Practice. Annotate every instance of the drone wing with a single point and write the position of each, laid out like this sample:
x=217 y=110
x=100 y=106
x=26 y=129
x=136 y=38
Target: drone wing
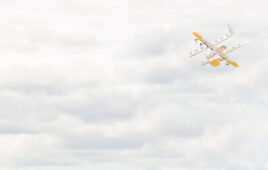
x=221 y=39
x=236 y=47
x=232 y=63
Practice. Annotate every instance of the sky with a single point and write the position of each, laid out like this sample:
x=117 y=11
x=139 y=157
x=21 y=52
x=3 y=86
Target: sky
x=109 y=84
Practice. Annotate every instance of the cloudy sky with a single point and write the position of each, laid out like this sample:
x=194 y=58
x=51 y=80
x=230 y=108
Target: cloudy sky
x=108 y=84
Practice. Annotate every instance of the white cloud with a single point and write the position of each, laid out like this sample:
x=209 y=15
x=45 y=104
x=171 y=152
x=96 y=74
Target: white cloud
x=109 y=85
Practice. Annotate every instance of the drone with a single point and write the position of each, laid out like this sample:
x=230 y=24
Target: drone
x=216 y=54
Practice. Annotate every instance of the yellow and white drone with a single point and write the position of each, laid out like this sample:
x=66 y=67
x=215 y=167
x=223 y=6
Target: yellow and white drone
x=212 y=58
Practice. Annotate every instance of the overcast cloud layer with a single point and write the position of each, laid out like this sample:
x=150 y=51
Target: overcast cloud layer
x=109 y=85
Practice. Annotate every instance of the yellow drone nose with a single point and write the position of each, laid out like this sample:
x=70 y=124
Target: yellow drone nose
x=215 y=62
